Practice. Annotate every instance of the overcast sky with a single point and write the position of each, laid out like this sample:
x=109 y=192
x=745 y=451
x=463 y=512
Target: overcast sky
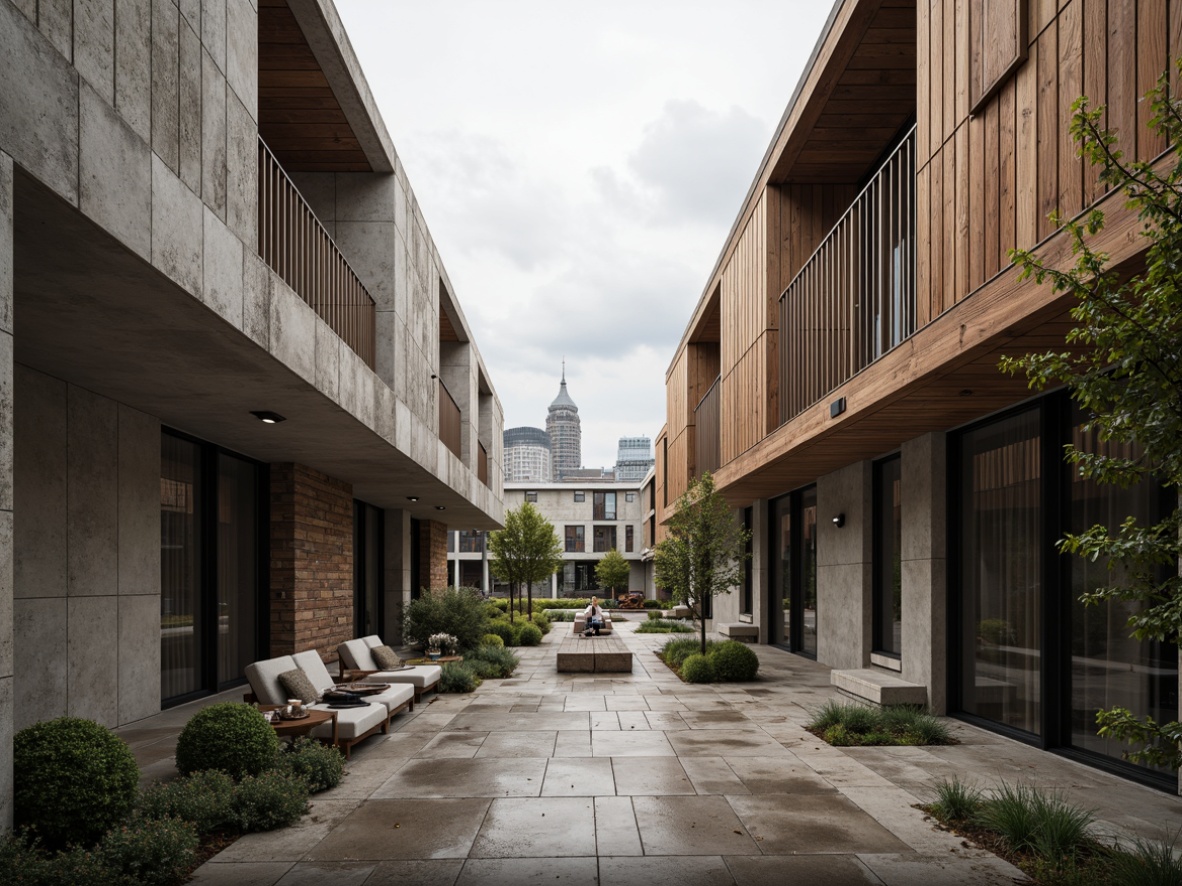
x=579 y=166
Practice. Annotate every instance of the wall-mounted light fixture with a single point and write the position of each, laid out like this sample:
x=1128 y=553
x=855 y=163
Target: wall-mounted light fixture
x=837 y=407
x=267 y=418
x=839 y=520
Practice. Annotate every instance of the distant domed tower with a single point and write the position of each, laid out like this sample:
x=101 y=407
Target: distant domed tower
x=566 y=434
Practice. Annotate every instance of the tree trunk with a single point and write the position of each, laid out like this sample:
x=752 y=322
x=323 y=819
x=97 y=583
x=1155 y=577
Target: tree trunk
x=530 y=593
x=702 y=621
x=512 y=591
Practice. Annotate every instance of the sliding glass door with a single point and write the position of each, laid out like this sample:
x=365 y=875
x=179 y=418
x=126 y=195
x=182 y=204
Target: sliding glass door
x=793 y=609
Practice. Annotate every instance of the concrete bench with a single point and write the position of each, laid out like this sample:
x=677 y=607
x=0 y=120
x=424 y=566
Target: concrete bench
x=593 y=655
x=878 y=687
x=580 y=624
x=748 y=633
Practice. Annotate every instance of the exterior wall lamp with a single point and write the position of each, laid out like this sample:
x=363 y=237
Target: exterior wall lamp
x=268 y=418
x=839 y=520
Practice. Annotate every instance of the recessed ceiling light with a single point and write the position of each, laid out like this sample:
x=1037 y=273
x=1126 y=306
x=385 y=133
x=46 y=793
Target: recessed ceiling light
x=268 y=418
x=412 y=498
x=440 y=508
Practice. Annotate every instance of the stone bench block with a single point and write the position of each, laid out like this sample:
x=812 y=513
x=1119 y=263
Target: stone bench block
x=878 y=687
x=740 y=631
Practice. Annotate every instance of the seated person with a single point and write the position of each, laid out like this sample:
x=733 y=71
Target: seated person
x=594 y=617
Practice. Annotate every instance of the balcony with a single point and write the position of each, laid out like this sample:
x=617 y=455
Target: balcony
x=449 y=420
x=299 y=249
x=854 y=300
x=708 y=422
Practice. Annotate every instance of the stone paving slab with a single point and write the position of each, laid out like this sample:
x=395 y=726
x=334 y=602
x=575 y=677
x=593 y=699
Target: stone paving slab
x=640 y=780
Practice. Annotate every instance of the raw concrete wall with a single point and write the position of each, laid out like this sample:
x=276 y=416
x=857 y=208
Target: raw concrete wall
x=87 y=555
x=924 y=566
x=7 y=505
x=844 y=576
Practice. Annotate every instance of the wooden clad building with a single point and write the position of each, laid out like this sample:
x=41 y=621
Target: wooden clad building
x=839 y=373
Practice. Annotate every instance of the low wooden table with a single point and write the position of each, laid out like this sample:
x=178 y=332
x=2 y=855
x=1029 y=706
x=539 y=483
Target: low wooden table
x=292 y=728
x=598 y=655
x=443 y=659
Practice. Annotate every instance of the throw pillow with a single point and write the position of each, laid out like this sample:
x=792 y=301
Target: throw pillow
x=297 y=685
x=385 y=657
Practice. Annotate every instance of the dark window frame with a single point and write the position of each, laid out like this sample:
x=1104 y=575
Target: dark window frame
x=878 y=557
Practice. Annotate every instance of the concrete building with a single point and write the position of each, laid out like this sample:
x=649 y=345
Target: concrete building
x=566 y=435
x=527 y=456
x=839 y=371
x=589 y=522
x=634 y=459
x=243 y=404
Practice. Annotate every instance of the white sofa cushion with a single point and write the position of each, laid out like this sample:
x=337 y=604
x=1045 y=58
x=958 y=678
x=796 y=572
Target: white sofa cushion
x=263 y=677
x=310 y=663
x=356 y=655
x=352 y=722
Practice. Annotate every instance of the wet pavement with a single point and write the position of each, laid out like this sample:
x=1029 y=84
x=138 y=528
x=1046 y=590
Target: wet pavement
x=641 y=779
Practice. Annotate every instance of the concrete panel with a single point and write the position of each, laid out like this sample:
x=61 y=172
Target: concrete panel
x=94 y=45
x=92 y=494
x=924 y=503
x=38 y=105
x=139 y=503
x=328 y=360
x=39 y=626
x=7 y=230
x=256 y=298
x=843 y=615
x=39 y=568
x=133 y=65
x=6 y=601
x=7 y=731
x=213 y=31
x=242 y=169
x=176 y=228
x=925 y=643
x=213 y=136
x=383 y=411
x=357 y=384
x=367 y=197
x=847 y=491
x=368 y=248
x=191 y=14
x=222 y=286
x=190 y=107
x=242 y=55
x=6 y=435
x=293 y=331
x=92 y=667
x=166 y=83
x=139 y=657
x=115 y=173
x=401 y=279
x=55 y=18
x=386 y=325
x=319 y=190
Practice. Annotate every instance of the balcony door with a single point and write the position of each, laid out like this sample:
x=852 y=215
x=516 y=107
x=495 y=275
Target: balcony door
x=793 y=606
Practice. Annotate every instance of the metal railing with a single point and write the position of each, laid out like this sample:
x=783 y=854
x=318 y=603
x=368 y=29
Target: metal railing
x=854 y=299
x=449 y=420
x=298 y=248
x=708 y=425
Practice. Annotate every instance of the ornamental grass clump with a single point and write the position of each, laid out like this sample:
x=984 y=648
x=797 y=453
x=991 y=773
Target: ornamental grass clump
x=492 y=661
x=957 y=801
x=1149 y=863
x=855 y=725
x=73 y=779
x=230 y=736
x=666 y=626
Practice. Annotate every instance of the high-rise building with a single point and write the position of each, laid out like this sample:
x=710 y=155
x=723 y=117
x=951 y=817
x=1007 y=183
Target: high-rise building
x=527 y=455
x=634 y=458
x=566 y=435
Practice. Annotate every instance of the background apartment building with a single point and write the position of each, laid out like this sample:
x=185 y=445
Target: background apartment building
x=243 y=404
x=527 y=455
x=839 y=371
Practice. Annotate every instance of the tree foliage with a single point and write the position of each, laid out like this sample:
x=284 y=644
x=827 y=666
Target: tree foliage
x=704 y=551
x=525 y=551
x=612 y=571
x=1124 y=369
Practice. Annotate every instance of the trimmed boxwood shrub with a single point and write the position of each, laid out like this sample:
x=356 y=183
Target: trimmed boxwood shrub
x=229 y=736
x=734 y=662
x=542 y=622
x=653 y=604
x=204 y=798
x=493 y=640
x=457 y=676
x=677 y=651
x=321 y=766
x=697 y=669
x=155 y=852
x=529 y=634
x=269 y=801
x=72 y=781
x=503 y=629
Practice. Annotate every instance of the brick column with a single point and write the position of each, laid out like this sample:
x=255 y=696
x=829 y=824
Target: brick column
x=311 y=561
x=433 y=553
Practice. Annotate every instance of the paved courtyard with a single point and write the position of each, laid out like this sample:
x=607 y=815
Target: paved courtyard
x=641 y=779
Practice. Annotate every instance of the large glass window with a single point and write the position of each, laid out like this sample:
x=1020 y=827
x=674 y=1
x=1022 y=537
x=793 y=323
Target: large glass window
x=605 y=539
x=1001 y=567
x=604 y=504
x=210 y=537
x=575 y=539
x=794 y=524
x=368 y=584
x=888 y=566
x=629 y=539
x=747 y=604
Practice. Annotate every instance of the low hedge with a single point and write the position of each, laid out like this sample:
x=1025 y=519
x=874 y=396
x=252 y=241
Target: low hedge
x=155 y=852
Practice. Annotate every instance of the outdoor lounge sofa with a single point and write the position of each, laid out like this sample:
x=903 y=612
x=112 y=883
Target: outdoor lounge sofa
x=353 y=724
x=357 y=660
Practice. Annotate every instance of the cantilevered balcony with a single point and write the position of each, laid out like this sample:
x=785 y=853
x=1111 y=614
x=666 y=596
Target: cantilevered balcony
x=854 y=299
x=299 y=249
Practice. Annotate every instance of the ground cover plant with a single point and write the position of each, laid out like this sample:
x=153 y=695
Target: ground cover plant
x=848 y=724
x=665 y=626
x=725 y=661
x=1047 y=837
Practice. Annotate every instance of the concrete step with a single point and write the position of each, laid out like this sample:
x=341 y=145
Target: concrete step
x=878 y=687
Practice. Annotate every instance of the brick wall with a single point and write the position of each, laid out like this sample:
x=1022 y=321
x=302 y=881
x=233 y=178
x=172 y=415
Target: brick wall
x=311 y=561
x=433 y=553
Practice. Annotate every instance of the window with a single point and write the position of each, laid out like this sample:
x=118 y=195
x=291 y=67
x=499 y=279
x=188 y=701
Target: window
x=575 y=540
x=998 y=46
x=531 y=496
x=888 y=567
x=368 y=569
x=605 y=539
x=580 y=496
x=748 y=603
x=604 y=506
x=629 y=497
x=794 y=571
x=629 y=539
x=471 y=542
